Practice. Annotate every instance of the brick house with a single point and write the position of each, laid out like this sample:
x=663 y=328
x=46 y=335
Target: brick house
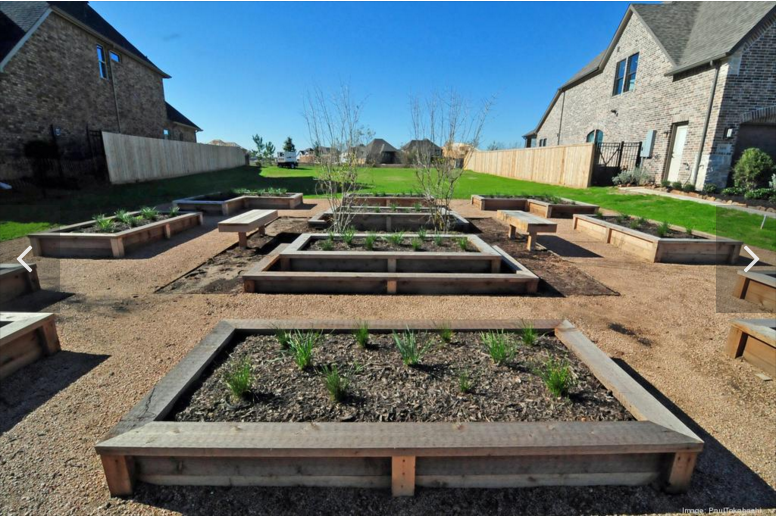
x=695 y=82
x=65 y=71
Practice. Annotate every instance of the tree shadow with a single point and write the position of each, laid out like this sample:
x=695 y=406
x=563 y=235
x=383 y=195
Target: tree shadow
x=33 y=385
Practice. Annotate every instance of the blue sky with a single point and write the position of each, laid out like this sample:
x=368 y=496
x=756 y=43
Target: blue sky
x=240 y=68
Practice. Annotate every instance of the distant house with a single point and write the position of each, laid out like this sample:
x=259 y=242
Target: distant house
x=694 y=82
x=66 y=74
x=423 y=147
x=380 y=152
x=222 y=143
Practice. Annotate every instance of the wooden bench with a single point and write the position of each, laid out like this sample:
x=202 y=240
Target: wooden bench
x=527 y=223
x=755 y=341
x=247 y=222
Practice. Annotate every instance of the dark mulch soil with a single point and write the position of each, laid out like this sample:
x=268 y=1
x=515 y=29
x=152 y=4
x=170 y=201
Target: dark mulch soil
x=383 y=389
x=118 y=227
x=646 y=227
x=447 y=245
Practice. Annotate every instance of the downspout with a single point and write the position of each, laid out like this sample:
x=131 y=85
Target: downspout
x=560 y=124
x=113 y=88
x=694 y=176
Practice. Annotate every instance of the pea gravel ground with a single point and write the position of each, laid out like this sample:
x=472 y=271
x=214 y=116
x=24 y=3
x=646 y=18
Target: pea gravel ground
x=119 y=337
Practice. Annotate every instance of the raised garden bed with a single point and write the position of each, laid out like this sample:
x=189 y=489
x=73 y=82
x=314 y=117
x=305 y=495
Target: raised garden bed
x=755 y=341
x=677 y=245
x=316 y=263
x=549 y=208
x=389 y=200
x=15 y=281
x=85 y=239
x=227 y=203
x=375 y=218
x=636 y=441
x=25 y=338
x=758 y=287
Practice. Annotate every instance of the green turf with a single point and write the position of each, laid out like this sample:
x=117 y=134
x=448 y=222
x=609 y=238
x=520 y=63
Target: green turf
x=22 y=216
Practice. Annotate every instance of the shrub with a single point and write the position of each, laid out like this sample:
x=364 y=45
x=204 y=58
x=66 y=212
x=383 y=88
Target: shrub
x=634 y=224
x=500 y=346
x=445 y=333
x=752 y=168
x=710 y=188
x=663 y=229
x=528 y=334
x=396 y=238
x=557 y=377
x=463 y=243
x=676 y=185
x=369 y=241
x=149 y=213
x=637 y=176
x=104 y=224
x=301 y=345
x=239 y=379
x=772 y=182
x=465 y=382
x=348 y=235
x=362 y=335
x=174 y=211
x=416 y=243
x=409 y=349
x=688 y=187
x=394 y=206
x=665 y=183
x=336 y=384
x=759 y=193
x=733 y=190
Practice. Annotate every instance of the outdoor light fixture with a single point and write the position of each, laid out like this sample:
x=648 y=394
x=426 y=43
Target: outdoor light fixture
x=728 y=133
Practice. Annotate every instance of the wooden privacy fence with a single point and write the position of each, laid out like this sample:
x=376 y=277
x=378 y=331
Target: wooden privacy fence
x=135 y=158
x=566 y=165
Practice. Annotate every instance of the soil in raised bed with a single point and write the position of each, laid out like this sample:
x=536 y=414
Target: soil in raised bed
x=225 y=196
x=447 y=245
x=118 y=226
x=545 y=198
x=382 y=389
x=646 y=227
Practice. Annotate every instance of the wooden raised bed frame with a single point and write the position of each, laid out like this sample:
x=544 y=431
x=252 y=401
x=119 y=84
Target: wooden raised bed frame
x=15 y=281
x=709 y=250
x=143 y=446
x=25 y=338
x=295 y=270
x=404 y=201
x=288 y=201
x=757 y=287
x=755 y=341
x=543 y=209
x=64 y=242
x=389 y=220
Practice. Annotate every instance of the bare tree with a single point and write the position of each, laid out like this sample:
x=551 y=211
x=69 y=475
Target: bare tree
x=334 y=123
x=443 y=124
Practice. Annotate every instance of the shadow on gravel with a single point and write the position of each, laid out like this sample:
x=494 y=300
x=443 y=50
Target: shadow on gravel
x=32 y=386
x=720 y=481
x=565 y=248
x=34 y=302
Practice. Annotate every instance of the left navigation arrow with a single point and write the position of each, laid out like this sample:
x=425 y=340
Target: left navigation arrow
x=20 y=260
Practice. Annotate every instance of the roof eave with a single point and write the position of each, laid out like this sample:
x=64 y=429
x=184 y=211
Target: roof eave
x=24 y=39
x=709 y=61
x=97 y=35
x=196 y=128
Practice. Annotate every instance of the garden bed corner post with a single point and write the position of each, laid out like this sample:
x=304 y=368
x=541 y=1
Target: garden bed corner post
x=120 y=474
x=679 y=472
x=403 y=475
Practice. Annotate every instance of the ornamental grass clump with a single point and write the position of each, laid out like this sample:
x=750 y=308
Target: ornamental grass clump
x=174 y=211
x=663 y=229
x=301 y=345
x=335 y=383
x=410 y=350
x=500 y=346
x=239 y=380
x=528 y=334
x=416 y=243
x=417 y=206
x=438 y=239
x=446 y=333
x=148 y=213
x=422 y=233
x=362 y=335
x=348 y=235
x=557 y=376
x=465 y=382
x=103 y=223
x=369 y=241
x=328 y=244
x=283 y=336
x=396 y=238
x=463 y=243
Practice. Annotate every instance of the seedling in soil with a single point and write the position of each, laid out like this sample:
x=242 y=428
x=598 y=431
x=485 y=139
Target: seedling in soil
x=622 y=218
x=599 y=215
x=336 y=384
x=239 y=380
x=369 y=241
x=409 y=349
x=377 y=209
x=396 y=238
x=528 y=334
x=465 y=382
x=634 y=224
x=301 y=345
x=557 y=377
x=328 y=244
x=417 y=244
x=422 y=233
x=283 y=337
x=104 y=224
x=136 y=221
x=174 y=211
x=463 y=243
x=417 y=206
x=662 y=229
x=362 y=335
x=438 y=239
x=149 y=213
x=500 y=346
x=348 y=235
x=394 y=206
x=446 y=334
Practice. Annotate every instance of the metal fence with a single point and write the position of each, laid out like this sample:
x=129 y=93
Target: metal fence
x=611 y=158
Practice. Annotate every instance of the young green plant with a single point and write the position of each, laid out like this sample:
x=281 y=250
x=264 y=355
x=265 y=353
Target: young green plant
x=362 y=335
x=465 y=382
x=239 y=380
x=301 y=345
x=410 y=350
x=369 y=241
x=557 y=376
x=500 y=346
x=336 y=383
x=445 y=333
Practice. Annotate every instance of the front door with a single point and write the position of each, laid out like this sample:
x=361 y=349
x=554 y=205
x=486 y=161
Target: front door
x=677 y=149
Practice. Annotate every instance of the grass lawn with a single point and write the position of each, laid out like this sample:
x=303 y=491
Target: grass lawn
x=19 y=217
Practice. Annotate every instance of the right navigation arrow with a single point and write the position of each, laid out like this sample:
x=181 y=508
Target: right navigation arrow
x=751 y=253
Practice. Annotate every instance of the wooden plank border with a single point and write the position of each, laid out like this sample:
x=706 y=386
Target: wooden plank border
x=755 y=341
x=544 y=209
x=25 y=338
x=388 y=220
x=15 y=281
x=237 y=203
x=143 y=446
x=758 y=287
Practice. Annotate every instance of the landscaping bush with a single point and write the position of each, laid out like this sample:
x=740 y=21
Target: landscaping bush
x=239 y=380
x=752 y=169
x=759 y=193
x=688 y=187
x=733 y=190
x=665 y=183
x=710 y=189
x=637 y=176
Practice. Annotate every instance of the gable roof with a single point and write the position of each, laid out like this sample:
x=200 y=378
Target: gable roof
x=378 y=145
x=691 y=34
x=425 y=144
x=19 y=19
x=173 y=115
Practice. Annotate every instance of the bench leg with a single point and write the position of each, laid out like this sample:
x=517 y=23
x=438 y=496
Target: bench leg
x=242 y=238
x=531 y=242
x=512 y=232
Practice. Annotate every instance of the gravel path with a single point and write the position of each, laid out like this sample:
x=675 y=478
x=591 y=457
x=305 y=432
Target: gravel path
x=119 y=337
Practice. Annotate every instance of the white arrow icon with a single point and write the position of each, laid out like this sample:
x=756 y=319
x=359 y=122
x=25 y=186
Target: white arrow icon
x=756 y=258
x=19 y=259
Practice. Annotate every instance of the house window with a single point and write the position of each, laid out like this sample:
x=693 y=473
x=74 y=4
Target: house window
x=625 y=74
x=102 y=63
x=115 y=57
x=166 y=134
x=543 y=142
x=596 y=136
